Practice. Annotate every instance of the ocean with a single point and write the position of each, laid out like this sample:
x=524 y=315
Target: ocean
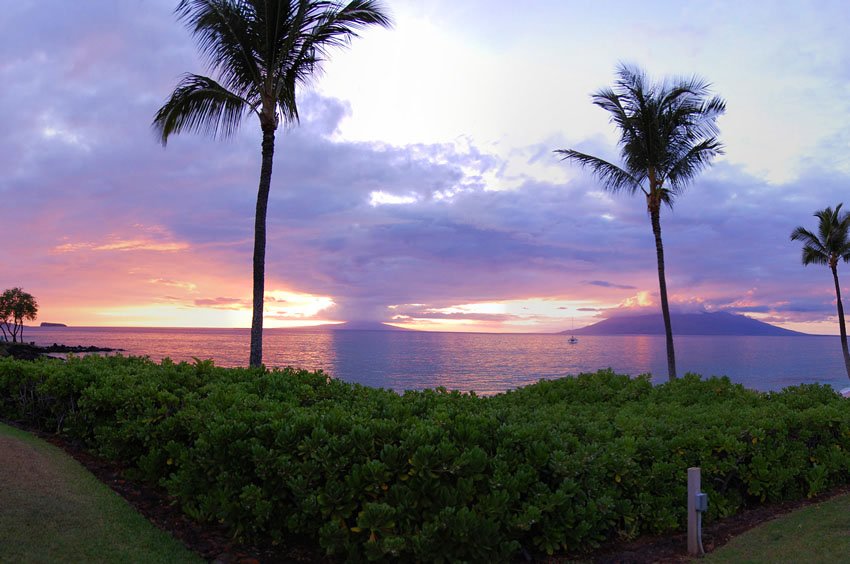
x=481 y=362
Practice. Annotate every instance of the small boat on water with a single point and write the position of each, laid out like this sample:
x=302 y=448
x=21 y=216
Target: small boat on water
x=572 y=340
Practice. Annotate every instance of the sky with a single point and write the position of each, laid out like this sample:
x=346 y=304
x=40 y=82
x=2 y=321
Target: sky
x=420 y=186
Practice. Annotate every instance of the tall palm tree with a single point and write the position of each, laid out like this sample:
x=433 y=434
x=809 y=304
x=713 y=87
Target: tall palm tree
x=262 y=51
x=668 y=134
x=829 y=246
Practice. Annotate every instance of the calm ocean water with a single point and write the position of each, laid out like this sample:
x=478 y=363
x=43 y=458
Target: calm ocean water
x=485 y=363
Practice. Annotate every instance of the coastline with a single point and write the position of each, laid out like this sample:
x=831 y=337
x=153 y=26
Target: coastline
x=31 y=351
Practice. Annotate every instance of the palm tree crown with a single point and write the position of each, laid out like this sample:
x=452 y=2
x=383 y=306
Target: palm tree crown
x=261 y=51
x=668 y=134
x=832 y=242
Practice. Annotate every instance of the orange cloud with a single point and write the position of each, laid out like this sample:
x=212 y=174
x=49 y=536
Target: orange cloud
x=141 y=245
x=641 y=299
x=152 y=238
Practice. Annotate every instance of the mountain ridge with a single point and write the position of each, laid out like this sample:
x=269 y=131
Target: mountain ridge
x=706 y=323
x=364 y=326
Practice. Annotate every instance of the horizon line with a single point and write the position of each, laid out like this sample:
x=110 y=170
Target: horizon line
x=404 y=329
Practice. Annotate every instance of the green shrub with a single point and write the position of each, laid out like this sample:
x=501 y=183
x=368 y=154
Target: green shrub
x=559 y=466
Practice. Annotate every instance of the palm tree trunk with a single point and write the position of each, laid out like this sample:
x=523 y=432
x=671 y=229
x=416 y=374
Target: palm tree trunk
x=655 y=215
x=260 y=247
x=841 y=325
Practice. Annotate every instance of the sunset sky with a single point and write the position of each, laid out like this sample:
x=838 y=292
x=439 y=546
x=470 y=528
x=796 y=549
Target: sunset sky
x=420 y=186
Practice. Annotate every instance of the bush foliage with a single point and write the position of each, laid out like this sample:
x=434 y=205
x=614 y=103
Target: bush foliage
x=562 y=465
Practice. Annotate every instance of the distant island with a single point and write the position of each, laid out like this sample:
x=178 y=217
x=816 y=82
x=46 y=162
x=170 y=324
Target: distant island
x=363 y=326
x=719 y=323
x=46 y=324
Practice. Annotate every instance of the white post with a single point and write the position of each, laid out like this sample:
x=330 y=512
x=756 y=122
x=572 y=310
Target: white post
x=693 y=489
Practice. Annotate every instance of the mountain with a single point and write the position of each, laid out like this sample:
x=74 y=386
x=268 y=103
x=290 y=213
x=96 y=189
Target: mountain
x=364 y=326
x=719 y=323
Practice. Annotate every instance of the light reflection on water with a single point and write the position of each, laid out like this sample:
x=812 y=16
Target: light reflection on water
x=485 y=363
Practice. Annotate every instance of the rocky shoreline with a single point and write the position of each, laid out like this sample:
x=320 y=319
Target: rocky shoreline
x=31 y=351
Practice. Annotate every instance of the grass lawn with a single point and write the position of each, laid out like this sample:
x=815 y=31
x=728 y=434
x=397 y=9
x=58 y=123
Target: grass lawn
x=53 y=510
x=817 y=533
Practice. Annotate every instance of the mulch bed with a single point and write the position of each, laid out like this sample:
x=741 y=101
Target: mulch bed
x=214 y=544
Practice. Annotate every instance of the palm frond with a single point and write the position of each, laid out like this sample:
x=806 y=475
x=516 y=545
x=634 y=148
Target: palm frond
x=667 y=196
x=815 y=250
x=709 y=112
x=226 y=38
x=813 y=256
x=827 y=223
x=686 y=167
x=612 y=177
x=201 y=105
x=843 y=228
x=284 y=37
x=339 y=25
x=691 y=87
x=633 y=87
x=610 y=101
x=322 y=27
x=834 y=230
x=808 y=238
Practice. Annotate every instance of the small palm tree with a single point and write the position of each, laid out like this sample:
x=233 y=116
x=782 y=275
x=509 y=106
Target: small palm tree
x=829 y=246
x=262 y=51
x=668 y=134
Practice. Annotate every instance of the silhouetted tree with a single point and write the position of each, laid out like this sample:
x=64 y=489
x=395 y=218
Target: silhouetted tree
x=16 y=306
x=262 y=51
x=829 y=246
x=668 y=134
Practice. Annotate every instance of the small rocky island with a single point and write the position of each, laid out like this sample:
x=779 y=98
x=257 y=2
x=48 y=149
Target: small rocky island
x=31 y=351
x=48 y=324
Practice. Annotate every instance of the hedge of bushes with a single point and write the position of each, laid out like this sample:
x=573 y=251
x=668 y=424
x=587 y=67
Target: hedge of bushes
x=559 y=466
